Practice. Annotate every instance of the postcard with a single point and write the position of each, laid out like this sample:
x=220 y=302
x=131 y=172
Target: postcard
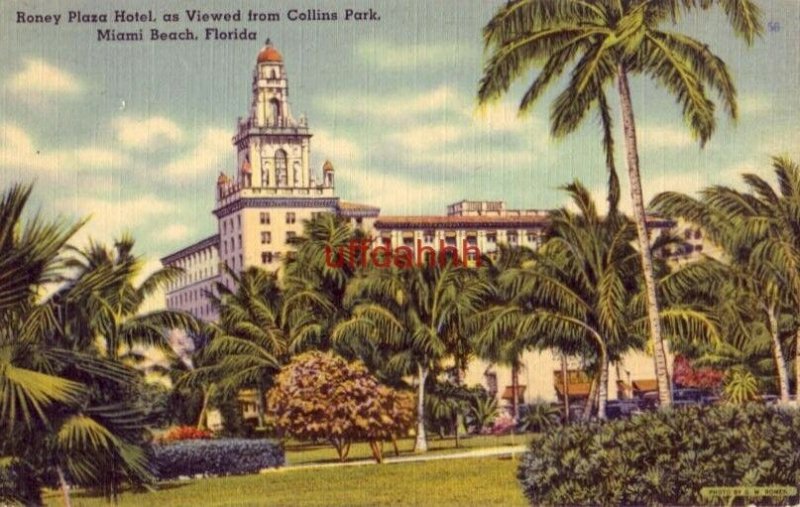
x=296 y=253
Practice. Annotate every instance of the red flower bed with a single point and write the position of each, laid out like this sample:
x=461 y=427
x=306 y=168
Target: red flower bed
x=186 y=433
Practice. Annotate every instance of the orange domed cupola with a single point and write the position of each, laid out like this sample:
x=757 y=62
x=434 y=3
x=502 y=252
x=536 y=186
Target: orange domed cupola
x=269 y=54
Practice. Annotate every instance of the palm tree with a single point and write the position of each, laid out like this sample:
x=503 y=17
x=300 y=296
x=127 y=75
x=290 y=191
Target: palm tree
x=53 y=400
x=506 y=349
x=248 y=344
x=111 y=312
x=758 y=231
x=611 y=39
x=577 y=291
x=315 y=278
x=412 y=312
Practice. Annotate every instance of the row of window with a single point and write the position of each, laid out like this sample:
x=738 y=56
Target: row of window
x=511 y=235
x=264 y=217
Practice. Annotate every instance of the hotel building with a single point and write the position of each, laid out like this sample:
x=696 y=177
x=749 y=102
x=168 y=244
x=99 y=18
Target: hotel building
x=261 y=204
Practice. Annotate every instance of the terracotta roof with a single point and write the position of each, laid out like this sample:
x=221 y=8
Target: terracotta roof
x=269 y=54
x=345 y=205
x=456 y=221
x=645 y=385
x=577 y=389
x=507 y=393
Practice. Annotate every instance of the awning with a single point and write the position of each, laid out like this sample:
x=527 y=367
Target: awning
x=579 y=389
x=645 y=385
x=509 y=390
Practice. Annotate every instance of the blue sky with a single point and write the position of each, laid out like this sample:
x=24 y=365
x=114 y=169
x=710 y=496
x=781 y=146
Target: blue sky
x=134 y=133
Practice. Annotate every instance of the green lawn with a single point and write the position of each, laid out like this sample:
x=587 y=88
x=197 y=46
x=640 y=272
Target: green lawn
x=302 y=453
x=456 y=482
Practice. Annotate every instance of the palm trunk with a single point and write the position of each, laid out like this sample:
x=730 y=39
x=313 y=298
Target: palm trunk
x=602 y=392
x=797 y=365
x=204 y=409
x=564 y=383
x=777 y=354
x=260 y=406
x=632 y=153
x=421 y=443
x=514 y=389
x=589 y=405
x=64 y=487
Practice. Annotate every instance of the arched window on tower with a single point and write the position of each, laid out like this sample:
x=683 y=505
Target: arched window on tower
x=275 y=111
x=281 y=169
x=273 y=75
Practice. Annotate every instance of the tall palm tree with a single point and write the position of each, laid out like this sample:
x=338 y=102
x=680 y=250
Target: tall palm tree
x=577 y=291
x=612 y=39
x=248 y=344
x=111 y=313
x=758 y=231
x=506 y=349
x=315 y=278
x=412 y=312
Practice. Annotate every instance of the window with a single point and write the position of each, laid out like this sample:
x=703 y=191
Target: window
x=266 y=237
x=290 y=217
x=238 y=221
x=266 y=257
x=687 y=234
x=290 y=235
x=264 y=218
x=698 y=234
x=275 y=111
x=281 y=170
x=427 y=236
x=491 y=237
x=512 y=237
x=224 y=227
x=531 y=237
x=240 y=241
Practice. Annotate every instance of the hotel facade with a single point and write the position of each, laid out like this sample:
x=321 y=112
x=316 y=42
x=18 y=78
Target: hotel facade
x=262 y=203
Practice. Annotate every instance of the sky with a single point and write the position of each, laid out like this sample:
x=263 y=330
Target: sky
x=134 y=134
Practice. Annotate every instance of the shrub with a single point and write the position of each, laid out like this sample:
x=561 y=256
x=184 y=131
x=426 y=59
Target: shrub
x=215 y=457
x=19 y=483
x=179 y=433
x=665 y=457
x=322 y=396
x=502 y=425
x=539 y=417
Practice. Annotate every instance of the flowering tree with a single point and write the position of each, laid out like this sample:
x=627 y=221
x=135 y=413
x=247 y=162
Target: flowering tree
x=688 y=376
x=322 y=396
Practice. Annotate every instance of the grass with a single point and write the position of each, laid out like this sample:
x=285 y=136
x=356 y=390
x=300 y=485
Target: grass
x=454 y=482
x=303 y=453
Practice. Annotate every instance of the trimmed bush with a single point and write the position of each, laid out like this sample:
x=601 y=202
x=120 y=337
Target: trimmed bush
x=665 y=457
x=215 y=457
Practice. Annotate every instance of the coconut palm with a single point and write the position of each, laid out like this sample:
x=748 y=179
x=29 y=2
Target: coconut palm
x=505 y=349
x=111 y=314
x=610 y=40
x=248 y=345
x=315 y=278
x=758 y=232
x=412 y=312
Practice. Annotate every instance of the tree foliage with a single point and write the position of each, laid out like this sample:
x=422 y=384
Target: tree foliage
x=320 y=396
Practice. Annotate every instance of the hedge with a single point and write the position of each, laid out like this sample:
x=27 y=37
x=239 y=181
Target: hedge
x=215 y=457
x=665 y=457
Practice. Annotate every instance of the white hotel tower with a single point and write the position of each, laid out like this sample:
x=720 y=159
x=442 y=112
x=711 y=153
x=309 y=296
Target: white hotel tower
x=265 y=201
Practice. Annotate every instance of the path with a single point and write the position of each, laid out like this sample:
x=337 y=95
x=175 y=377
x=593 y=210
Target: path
x=475 y=453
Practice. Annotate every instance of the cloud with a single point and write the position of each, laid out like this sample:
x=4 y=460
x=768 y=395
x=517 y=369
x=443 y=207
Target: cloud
x=39 y=77
x=174 y=232
x=395 y=107
x=109 y=218
x=754 y=104
x=213 y=152
x=146 y=133
x=397 y=195
x=18 y=150
x=662 y=136
x=340 y=150
x=390 y=56
x=427 y=137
